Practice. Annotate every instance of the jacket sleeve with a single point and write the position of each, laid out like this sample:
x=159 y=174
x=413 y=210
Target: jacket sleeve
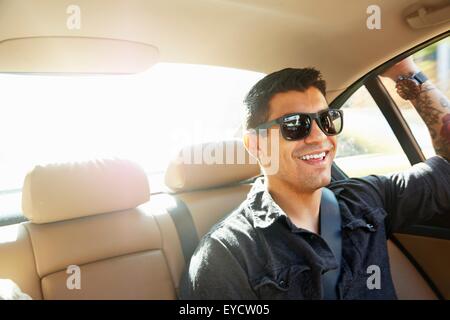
x=418 y=194
x=215 y=274
x=412 y=196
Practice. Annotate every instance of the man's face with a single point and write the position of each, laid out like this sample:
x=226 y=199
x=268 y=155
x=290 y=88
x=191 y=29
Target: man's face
x=294 y=172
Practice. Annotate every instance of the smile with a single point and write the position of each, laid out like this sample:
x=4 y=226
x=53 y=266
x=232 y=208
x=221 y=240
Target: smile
x=318 y=158
x=314 y=156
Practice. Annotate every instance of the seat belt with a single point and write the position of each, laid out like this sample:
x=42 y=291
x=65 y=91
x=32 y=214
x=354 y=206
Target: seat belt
x=330 y=231
x=184 y=224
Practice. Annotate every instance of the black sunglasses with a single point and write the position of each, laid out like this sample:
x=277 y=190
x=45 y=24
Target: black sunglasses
x=296 y=126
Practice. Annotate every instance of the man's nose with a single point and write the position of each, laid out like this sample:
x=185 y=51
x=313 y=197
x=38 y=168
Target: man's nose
x=316 y=135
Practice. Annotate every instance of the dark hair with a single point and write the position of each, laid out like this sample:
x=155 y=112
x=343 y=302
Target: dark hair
x=289 y=79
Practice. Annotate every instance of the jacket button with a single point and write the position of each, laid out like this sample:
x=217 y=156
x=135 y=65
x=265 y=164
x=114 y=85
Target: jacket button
x=370 y=226
x=282 y=283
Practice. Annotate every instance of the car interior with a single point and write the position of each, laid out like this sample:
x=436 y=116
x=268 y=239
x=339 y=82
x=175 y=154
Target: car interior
x=133 y=240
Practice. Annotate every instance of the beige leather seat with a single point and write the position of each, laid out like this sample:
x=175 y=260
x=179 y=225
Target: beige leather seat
x=87 y=215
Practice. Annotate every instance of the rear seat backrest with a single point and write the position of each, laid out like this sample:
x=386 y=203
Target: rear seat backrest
x=208 y=192
x=208 y=206
x=222 y=193
x=17 y=260
x=87 y=214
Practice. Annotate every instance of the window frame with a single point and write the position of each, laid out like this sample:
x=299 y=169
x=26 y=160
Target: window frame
x=386 y=104
x=435 y=228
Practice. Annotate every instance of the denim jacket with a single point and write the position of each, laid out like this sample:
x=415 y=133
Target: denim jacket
x=256 y=252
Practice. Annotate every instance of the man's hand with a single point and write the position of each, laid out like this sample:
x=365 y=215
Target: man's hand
x=431 y=104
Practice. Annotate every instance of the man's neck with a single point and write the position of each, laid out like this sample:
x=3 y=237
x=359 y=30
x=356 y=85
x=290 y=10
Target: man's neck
x=301 y=207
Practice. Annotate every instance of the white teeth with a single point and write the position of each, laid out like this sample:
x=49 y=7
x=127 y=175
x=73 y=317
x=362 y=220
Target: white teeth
x=314 y=156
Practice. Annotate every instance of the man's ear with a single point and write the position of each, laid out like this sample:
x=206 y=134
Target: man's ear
x=251 y=143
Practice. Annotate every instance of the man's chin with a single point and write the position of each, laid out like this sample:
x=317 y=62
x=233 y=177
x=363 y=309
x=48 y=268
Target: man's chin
x=323 y=181
x=303 y=180
x=311 y=185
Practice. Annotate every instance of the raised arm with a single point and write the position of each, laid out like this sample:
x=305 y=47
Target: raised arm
x=431 y=104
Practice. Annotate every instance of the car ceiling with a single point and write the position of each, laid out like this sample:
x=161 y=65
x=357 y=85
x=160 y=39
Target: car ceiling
x=258 y=35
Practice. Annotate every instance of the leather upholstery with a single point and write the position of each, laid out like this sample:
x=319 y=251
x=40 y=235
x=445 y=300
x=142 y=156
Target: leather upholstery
x=116 y=245
x=58 y=192
x=209 y=165
x=17 y=260
x=209 y=206
x=119 y=254
x=433 y=256
x=142 y=275
x=170 y=241
x=80 y=241
x=408 y=282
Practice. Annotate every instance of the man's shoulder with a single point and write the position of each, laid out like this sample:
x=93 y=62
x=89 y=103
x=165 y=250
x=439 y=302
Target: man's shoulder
x=360 y=198
x=361 y=189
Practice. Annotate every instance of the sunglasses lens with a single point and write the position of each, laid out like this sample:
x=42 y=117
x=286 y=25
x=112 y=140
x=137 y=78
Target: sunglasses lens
x=296 y=127
x=331 y=122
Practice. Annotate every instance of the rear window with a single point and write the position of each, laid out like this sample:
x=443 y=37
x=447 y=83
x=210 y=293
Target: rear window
x=144 y=117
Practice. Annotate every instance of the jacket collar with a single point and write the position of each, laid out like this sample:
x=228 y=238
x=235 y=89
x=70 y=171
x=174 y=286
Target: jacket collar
x=264 y=209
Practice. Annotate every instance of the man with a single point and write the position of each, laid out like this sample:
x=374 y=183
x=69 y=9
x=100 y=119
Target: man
x=271 y=246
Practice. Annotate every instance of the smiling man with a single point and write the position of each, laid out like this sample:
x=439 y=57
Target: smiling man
x=272 y=246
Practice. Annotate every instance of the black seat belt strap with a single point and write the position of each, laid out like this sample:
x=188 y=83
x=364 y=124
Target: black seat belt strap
x=184 y=224
x=330 y=230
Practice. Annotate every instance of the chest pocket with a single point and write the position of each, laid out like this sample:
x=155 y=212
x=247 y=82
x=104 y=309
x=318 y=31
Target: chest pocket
x=292 y=282
x=370 y=221
x=367 y=232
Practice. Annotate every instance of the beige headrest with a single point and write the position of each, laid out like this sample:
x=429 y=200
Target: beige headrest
x=57 y=192
x=209 y=165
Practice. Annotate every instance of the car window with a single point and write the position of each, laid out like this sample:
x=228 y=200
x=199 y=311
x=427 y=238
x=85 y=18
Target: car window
x=367 y=144
x=144 y=117
x=434 y=61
